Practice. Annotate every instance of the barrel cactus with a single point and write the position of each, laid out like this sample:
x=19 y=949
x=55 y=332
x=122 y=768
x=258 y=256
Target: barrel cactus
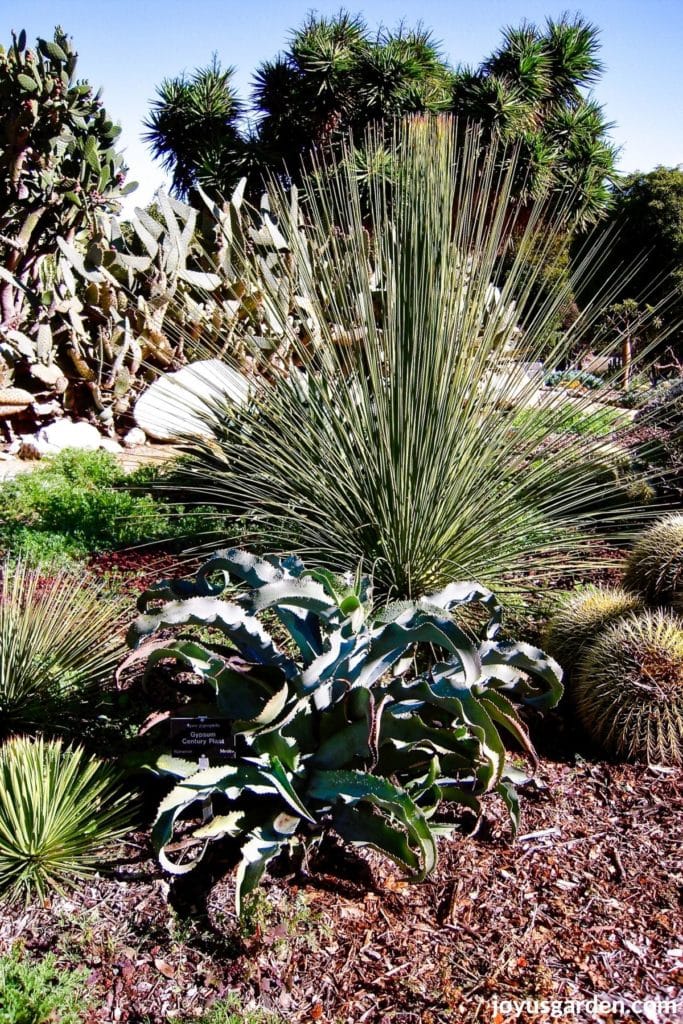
x=629 y=688
x=655 y=566
x=581 y=617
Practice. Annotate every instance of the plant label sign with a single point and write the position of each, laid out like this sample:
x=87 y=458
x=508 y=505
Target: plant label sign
x=200 y=737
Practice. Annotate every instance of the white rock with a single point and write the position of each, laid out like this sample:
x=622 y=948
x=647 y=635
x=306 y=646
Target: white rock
x=110 y=445
x=184 y=404
x=67 y=434
x=134 y=438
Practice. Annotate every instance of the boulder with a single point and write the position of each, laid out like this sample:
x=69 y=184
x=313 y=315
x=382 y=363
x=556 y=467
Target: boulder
x=183 y=405
x=134 y=438
x=66 y=434
x=110 y=445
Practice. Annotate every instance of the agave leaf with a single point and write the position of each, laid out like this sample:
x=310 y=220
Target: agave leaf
x=414 y=731
x=459 y=795
x=345 y=745
x=359 y=825
x=503 y=712
x=268 y=714
x=284 y=787
x=193 y=655
x=455 y=594
x=392 y=641
x=351 y=787
x=222 y=825
x=284 y=747
x=490 y=743
x=498 y=658
x=304 y=629
x=340 y=661
x=293 y=593
x=174 y=868
x=177 y=766
x=511 y=800
x=232 y=780
x=244 y=566
x=243 y=630
x=419 y=785
x=241 y=694
x=263 y=844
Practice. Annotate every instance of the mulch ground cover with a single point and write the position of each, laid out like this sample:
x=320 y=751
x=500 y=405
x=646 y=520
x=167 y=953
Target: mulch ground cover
x=580 y=910
x=585 y=903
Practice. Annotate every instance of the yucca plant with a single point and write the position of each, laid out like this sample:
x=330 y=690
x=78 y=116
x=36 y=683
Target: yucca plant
x=59 y=641
x=581 y=617
x=629 y=688
x=57 y=809
x=655 y=566
x=389 y=439
x=355 y=724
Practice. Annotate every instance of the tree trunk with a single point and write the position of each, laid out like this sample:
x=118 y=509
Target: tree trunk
x=626 y=359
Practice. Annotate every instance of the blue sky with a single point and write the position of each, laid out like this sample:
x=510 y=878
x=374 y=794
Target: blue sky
x=127 y=47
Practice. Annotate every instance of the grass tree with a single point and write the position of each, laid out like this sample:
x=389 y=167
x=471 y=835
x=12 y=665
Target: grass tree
x=389 y=441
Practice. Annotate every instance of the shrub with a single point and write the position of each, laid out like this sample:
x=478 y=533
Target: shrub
x=80 y=502
x=629 y=688
x=341 y=730
x=655 y=566
x=663 y=452
x=573 y=379
x=581 y=617
x=59 y=643
x=568 y=419
x=36 y=993
x=57 y=810
x=386 y=439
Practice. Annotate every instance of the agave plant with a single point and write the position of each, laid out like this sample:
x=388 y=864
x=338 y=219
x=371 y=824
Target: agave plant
x=394 y=442
x=347 y=726
x=57 y=809
x=59 y=641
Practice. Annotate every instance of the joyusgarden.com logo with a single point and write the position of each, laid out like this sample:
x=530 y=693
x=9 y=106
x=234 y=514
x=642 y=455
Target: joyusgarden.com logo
x=652 y=1009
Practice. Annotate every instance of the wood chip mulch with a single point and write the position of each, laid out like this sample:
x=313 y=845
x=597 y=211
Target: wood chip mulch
x=584 y=904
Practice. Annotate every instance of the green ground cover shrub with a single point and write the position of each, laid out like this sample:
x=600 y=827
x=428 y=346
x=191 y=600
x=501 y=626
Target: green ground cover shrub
x=58 y=809
x=41 y=992
x=569 y=419
x=83 y=502
x=356 y=725
x=573 y=379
